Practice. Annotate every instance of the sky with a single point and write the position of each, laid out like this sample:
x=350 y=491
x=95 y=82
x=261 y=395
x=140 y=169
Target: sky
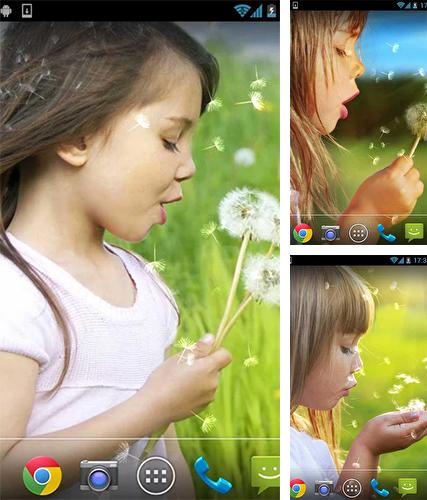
x=384 y=30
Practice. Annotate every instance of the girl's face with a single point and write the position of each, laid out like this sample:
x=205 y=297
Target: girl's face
x=330 y=380
x=332 y=95
x=144 y=161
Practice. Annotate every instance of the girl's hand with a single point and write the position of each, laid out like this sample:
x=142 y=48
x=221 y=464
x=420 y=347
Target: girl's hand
x=182 y=386
x=393 y=431
x=390 y=195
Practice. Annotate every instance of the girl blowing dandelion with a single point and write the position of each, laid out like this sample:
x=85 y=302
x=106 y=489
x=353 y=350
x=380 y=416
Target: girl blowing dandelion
x=324 y=68
x=331 y=308
x=96 y=126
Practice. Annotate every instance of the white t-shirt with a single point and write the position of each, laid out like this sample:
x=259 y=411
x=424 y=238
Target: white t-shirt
x=113 y=349
x=311 y=461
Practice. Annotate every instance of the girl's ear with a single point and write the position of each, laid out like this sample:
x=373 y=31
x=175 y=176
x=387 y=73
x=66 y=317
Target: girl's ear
x=75 y=154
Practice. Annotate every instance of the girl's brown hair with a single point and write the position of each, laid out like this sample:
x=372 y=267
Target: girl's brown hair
x=312 y=167
x=62 y=81
x=325 y=302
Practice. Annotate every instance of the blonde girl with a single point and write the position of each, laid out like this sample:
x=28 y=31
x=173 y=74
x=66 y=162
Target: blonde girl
x=331 y=308
x=324 y=68
x=96 y=128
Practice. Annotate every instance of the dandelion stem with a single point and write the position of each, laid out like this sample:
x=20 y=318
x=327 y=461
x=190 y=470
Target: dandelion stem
x=232 y=292
x=414 y=146
x=246 y=301
x=152 y=443
x=270 y=250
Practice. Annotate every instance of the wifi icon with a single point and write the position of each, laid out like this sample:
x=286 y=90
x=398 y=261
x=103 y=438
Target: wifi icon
x=242 y=9
x=401 y=4
x=394 y=259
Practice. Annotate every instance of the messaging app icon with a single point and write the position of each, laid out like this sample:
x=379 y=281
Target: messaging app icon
x=265 y=473
x=414 y=231
x=407 y=486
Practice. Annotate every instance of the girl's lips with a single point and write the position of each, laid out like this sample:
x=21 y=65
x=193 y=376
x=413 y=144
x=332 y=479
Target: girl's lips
x=343 y=112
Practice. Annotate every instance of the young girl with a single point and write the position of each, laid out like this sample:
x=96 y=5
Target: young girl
x=324 y=68
x=96 y=123
x=331 y=307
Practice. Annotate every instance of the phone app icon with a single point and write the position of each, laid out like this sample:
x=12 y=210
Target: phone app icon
x=265 y=472
x=201 y=467
x=298 y=488
x=391 y=238
x=414 y=231
x=302 y=233
x=375 y=487
x=407 y=486
x=42 y=475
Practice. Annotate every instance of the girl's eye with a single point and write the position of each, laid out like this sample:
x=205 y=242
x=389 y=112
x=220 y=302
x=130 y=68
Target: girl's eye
x=347 y=350
x=343 y=52
x=170 y=146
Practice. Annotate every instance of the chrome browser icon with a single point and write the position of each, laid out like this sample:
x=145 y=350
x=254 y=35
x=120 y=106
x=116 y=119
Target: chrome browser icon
x=42 y=476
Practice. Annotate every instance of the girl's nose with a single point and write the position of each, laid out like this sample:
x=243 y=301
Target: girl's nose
x=186 y=170
x=357 y=364
x=358 y=69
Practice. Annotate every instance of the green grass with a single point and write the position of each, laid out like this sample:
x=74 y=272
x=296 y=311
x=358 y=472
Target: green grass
x=200 y=270
x=397 y=343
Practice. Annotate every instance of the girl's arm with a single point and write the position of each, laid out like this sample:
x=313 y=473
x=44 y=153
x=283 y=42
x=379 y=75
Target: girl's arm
x=154 y=406
x=184 y=488
x=385 y=433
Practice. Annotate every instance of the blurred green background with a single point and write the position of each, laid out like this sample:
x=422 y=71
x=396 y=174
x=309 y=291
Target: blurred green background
x=199 y=270
x=397 y=344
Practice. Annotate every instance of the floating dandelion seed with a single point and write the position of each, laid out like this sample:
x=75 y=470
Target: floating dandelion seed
x=217 y=144
x=375 y=160
x=395 y=389
x=214 y=105
x=377 y=79
x=29 y=88
x=416 y=118
x=382 y=144
x=413 y=405
x=376 y=395
x=244 y=157
x=384 y=130
x=407 y=379
x=208 y=422
x=387 y=361
x=209 y=230
x=361 y=372
x=354 y=424
x=327 y=285
x=420 y=72
x=398 y=307
x=245 y=209
x=157 y=265
x=401 y=152
x=371 y=146
x=393 y=286
x=251 y=360
x=389 y=75
x=256 y=99
x=261 y=277
x=355 y=465
x=184 y=343
x=123 y=453
x=374 y=291
x=54 y=39
x=141 y=121
x=258 y=83
x=394 y=47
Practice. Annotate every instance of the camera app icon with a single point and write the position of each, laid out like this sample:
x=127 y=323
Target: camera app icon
x=323 y=488
x=99 y=476
x=331 y=233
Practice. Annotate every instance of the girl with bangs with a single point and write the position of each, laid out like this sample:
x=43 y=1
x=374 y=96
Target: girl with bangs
x=331 y=308
x=325 y=65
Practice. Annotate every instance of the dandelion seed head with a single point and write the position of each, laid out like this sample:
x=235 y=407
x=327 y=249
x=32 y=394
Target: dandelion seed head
x=250 y=362
x=384 y=129
x=184 y=343
x=407 y=379
x=123 y=453
x=208 y=423
x=244 y=157
x=261 y=276
x=416 y=118
x=245 y=209
x=258 y=84
x=214 y=105
x=156 y=265
x=257 y=100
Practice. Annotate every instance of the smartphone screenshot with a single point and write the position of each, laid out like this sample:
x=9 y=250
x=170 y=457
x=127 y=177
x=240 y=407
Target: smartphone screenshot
x=139 y=250
x=358 y=122
x=358 y=376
